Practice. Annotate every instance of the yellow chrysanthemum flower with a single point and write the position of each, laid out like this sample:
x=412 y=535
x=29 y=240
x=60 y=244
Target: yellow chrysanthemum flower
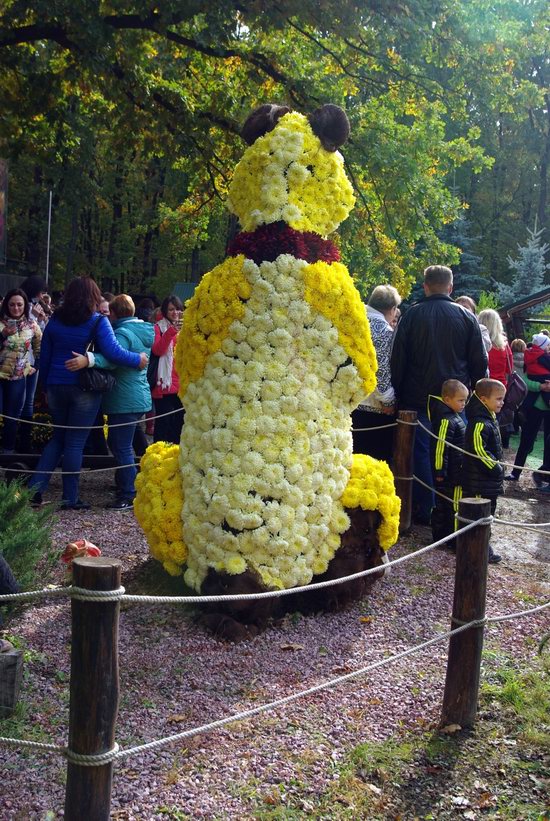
x=159 y=494
x=371 y=487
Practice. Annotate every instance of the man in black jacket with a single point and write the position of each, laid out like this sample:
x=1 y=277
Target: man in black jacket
x=435 y=340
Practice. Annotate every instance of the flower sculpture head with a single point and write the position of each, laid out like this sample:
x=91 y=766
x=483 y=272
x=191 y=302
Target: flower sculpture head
x=292 y=171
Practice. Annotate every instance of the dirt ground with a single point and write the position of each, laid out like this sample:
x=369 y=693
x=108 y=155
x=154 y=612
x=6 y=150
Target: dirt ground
x=524 y=503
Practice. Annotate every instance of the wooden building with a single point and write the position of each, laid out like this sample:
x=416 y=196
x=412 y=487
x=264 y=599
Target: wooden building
x=517 y=317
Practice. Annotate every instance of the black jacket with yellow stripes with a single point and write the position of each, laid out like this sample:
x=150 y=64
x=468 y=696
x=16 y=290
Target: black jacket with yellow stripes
x=449 y=426
x=483 y=476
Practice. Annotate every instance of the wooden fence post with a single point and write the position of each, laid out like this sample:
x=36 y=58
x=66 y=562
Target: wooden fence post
x=403 y=449
x=94 y=689
x=464 y=660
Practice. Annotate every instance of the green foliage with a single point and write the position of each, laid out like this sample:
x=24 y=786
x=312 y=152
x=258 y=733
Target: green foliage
x=25 y=536
x=132 y=121
x=529 y=268
x=488 y=299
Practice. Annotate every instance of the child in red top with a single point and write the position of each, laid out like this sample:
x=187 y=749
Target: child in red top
x=537 y=361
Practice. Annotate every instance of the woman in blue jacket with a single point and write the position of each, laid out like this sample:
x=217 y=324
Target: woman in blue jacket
x=130 y=398
x=73 y=326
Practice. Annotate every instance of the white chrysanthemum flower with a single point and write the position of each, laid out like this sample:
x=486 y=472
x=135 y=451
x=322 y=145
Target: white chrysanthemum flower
x=291 y=213
x=238 y=331
x=297 y=174
x=256 y=218
x=244 y=351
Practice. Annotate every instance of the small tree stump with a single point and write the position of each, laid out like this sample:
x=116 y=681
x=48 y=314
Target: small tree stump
x=11 y=674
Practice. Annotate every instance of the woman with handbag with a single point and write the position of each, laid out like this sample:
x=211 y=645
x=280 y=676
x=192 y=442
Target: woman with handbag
x=130 y=397
x=165 y=382
x=71 y=330
x=20 y=336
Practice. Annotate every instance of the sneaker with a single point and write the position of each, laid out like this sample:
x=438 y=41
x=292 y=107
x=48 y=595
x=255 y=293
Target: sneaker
x=37 y=500
x=494 y=558
x=540 y=480
x=511 y=477
x=120 y=504
x=78 y=505
x=545 y=490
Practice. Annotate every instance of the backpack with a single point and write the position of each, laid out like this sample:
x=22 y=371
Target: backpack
x=516 y=391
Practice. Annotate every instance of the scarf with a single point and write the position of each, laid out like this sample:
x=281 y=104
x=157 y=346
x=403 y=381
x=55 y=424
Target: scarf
x=166 y=361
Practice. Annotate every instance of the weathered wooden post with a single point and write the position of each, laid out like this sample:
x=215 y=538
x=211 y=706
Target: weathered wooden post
x=464 y=660
x=94 y=689
x=11 y=675
x=403 y=448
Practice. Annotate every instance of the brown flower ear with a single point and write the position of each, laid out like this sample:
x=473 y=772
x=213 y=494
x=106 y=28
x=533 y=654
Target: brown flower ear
x=330 y=123
x=262 y=121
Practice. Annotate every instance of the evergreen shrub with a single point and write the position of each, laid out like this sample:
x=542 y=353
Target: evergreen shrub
x=25 y=539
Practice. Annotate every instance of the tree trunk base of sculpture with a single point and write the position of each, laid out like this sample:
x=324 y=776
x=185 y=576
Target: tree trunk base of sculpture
x=241 y=621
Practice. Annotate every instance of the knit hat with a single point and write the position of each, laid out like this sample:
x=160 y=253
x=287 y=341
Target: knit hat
x=541 y=340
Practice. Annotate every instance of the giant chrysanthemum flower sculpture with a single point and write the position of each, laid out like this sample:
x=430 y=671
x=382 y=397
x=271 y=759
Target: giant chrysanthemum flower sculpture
x=274 y=354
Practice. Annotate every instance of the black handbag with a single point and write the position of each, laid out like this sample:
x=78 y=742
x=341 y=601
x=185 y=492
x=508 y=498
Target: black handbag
x=95 y=380
x=153 y=370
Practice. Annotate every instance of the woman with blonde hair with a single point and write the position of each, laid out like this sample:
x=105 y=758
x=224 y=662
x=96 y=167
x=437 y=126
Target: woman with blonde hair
x=377 y=410
x=501 y=359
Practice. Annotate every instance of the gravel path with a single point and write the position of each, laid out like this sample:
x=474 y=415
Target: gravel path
x=175 y=676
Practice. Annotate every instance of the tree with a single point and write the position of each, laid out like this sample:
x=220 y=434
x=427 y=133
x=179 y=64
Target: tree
x=132 y=118
x=529 y=268
x=467 y=273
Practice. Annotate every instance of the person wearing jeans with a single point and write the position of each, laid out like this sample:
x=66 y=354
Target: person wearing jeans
x=122 y=427
x=19 y=349
x=68 y=333
x=75 y=411
x=130 y=398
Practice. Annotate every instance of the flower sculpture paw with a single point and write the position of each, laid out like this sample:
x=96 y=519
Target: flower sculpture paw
x=274 y=354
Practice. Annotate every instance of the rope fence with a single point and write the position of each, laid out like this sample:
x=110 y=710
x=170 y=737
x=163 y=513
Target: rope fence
x=89 y=427
x=474 y=455
x=120 y=595
x=116 y=753
x=417 y=423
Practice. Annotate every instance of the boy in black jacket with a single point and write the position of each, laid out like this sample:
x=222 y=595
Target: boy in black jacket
x=483 y=473
x=447 y=424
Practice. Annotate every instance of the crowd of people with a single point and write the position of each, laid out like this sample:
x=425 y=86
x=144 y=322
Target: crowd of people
x=53 y=344
x=440 y=359
x=453 y=368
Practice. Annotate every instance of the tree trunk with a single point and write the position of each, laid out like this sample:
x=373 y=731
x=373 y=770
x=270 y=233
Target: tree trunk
x=71 y=250
x=543 y=172
x=112 y=251
x=32 y=251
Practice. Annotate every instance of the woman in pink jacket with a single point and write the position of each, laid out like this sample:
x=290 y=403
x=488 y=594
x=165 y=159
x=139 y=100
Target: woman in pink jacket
x=165 y=390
